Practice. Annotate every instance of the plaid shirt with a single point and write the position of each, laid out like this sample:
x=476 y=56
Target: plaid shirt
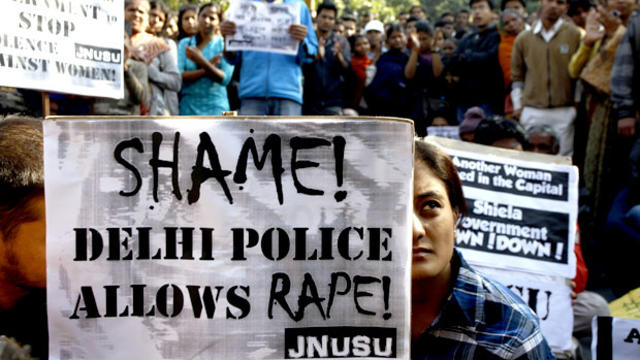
x=482 y=320
x=624 y=94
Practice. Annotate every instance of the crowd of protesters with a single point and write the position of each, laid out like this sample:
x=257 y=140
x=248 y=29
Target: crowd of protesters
x=560 y=80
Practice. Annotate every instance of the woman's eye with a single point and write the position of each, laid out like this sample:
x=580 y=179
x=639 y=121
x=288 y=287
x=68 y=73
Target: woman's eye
x=431 y=205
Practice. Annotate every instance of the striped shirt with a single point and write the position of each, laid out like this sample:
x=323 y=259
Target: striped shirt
x=482 y=319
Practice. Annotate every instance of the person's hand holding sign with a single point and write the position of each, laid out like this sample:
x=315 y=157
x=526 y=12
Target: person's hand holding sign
x=228 y=28
x=298 y=32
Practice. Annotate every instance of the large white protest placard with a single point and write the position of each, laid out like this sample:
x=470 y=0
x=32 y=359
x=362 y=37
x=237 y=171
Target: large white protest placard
x=548 y=296
x=228 y=238
x=521 y=214
x=615 y=338
x=64 y=46
x=263 y=26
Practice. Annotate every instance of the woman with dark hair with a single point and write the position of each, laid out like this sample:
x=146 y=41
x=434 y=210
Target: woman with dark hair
x=159 y=55
x=187 y=21
x=158 y=15
x=205 y=73
x=457 y=313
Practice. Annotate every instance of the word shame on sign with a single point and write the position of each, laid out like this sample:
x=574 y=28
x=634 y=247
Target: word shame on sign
x=203 y=171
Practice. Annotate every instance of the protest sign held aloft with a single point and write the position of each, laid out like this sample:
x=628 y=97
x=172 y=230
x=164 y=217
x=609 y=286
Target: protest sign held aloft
x=263 y=26
x=522 y=213
x=64 y=46
x=228 y=238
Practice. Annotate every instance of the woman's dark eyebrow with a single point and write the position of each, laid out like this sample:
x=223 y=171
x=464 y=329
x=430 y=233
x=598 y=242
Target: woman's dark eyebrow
x=429 y=194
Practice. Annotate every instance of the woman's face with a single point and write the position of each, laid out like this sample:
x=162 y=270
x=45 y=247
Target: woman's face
x=361 y=46
x=190 y=22
x=137 y=14
x=157 y=18
x=434 y=225
x=172 y=27
x=208 y=20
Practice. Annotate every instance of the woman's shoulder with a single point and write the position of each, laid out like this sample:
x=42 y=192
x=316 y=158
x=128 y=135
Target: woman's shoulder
x=500 y=320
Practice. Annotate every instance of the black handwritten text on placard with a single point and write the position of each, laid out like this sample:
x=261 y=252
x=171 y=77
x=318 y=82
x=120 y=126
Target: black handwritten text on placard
x=201 y=171
x=352 y=244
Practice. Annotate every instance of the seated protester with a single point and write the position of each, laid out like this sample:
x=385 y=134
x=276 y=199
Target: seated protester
x=389 y=93
x=444 y=115
x=23 y=307
x=472 y=118
x=586 y=304
x=205 y=73
x=423 y=68
x=623 y=231
x=160 y=57
x=187 y=21
x=457 y=313
x=135 y=85
x=501 y=132
x=362 y=72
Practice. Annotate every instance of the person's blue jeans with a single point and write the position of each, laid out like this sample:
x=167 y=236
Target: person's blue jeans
x=270 y=106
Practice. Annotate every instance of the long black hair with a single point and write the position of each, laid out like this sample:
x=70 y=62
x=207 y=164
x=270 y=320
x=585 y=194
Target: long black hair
x=184 y=9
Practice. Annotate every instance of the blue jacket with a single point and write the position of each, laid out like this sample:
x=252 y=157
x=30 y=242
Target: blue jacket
x=269 y=75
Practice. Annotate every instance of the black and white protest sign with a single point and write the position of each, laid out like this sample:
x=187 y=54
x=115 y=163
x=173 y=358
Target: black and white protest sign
x=521 y=214
x=449 y=132
x=615 y=338
x=228 y=238
x=263 y=26
x=64 y=46
x=548 y=296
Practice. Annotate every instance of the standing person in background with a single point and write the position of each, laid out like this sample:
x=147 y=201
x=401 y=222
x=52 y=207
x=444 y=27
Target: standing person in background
x=462 y=26
x=271 y=83
x=171 y=27
x=423 y=69
x=592 y=65
x=513 y=23
x=389 y=93
x=476 y=63
x=187 y=21
x=205 y=73
x=543 y=92
x=362 y=73
x=374 y=31
x=325 y=77
x=367 y=15
x=160 y=57
x=136 y=85
x=419 y=12
x=350 y=25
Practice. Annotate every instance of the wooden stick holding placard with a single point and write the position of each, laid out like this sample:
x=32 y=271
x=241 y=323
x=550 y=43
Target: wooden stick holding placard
x=46 y=104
